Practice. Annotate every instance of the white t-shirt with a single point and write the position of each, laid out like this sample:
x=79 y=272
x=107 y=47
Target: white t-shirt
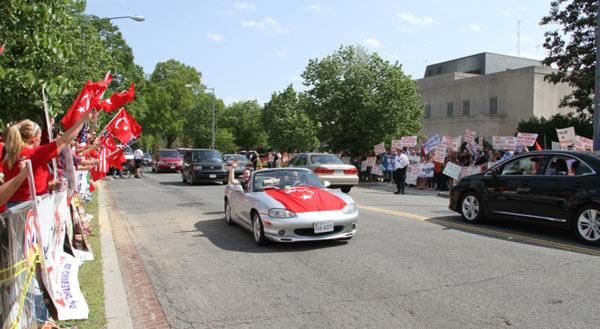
x=138 y=154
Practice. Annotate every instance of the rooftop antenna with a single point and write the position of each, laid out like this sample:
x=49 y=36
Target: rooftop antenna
x=518 y=37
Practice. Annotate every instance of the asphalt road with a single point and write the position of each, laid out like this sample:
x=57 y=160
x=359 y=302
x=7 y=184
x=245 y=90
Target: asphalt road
x=412 y=264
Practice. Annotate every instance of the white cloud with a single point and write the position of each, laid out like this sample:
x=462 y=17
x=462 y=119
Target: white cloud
x=215 y=37
x=475 y=28
x=268 y=25
x=372 y=42
x=318 y=9
x=415 y=20
x=242 y=6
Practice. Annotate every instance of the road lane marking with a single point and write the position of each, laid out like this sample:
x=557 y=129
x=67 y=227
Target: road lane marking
x=486 y=231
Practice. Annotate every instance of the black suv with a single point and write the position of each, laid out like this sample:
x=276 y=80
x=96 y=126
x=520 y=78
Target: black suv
x=202 y=165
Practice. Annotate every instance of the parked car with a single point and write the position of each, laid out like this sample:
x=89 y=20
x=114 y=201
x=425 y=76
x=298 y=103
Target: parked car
x=288 y=205
x=167 y=160
x=328 y=167
x=243 y=163
x=553 y=186
x=147 y=159
x=203 y=165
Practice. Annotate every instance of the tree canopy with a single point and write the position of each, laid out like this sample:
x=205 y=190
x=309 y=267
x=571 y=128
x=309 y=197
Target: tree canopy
x=546 y=128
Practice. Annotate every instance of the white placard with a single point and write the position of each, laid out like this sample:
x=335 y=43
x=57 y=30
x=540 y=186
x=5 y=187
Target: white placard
x=456 y=143
x=470 y=136
x=396 y=144
x=426 y=169
x=526 y=139
x=379 y=148
x=376 y=170
x=413 y=159
x=566 y=136
x=440 y=153
x=412 y=173
x=408 y=141
x=583 y=144
x=452 y=170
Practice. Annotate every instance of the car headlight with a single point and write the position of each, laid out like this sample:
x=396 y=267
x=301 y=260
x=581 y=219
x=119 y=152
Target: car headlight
x=281 y=213
x=349 y=208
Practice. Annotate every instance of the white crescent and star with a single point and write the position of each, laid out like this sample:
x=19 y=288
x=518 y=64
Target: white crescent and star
x=82 y=108
x=125 y=126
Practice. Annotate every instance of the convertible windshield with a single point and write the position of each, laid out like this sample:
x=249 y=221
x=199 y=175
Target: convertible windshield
x=325 y=159
x=207 y=155
x=284 y=179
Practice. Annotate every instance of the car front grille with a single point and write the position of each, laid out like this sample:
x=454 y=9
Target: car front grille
x=311 y=231
x=211 y=167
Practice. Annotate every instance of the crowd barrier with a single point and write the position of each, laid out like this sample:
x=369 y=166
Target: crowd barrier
x=42 y=245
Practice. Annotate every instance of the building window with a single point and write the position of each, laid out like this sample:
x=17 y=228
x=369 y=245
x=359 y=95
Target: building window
x=427 y=114
x=450 y=109
x=466 y=108
x=493 y=106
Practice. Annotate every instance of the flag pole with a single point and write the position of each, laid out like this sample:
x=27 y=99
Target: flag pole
x=108 y=124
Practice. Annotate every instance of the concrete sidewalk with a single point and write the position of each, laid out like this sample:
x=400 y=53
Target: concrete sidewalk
x=116 y=306
x=391 y=187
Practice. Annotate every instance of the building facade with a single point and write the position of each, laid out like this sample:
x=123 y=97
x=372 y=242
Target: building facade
x=488 y=93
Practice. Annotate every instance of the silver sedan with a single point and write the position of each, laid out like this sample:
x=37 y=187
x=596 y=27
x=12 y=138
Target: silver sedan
x=288 y=205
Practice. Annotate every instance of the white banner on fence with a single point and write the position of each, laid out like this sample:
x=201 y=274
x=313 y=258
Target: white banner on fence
x=408 y=141
x=526 y=139
x=452 y=170
x=379 y=148
x=440 y=153
x=426 y=169
x=566 y=136
x=583 y=144
x=412 y=173
x=58 y=269
x=470 y=136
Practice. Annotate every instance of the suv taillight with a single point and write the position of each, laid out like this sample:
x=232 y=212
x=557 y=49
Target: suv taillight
x=351 y=171
x=323 y=170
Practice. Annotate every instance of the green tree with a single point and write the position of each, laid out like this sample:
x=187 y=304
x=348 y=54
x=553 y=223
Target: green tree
x=287 y=124
x=546 y=128
x=225 y=141
x=244 y=120
x=170 y=101
x=359 y=100
x=571 y=48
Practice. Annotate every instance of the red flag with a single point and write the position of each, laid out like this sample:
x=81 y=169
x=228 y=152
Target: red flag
x=1 y=49
x=99 y=171
x=117 y=100
x=116 y=159
x=537 y=146
x=124 y=127
x=88 y=98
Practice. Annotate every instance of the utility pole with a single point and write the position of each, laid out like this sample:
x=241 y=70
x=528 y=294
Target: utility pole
x=597 y=83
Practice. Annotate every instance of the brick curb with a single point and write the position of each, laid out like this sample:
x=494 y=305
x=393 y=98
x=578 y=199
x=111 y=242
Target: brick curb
x=144 y=305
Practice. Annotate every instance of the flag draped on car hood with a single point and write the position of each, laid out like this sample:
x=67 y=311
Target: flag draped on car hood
x=306 y=198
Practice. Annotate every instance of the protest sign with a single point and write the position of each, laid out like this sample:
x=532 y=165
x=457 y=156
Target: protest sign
x=408 y=141
x=379 y=148
x=497 y=142
x=556 y=146
x=452 y=170
x=456 y=143
x=448 y=140
x=364 y=165
x=440 y=153
x=412 y=173
x=371 y=161
x=413 y=159
x=583 y=144
x=396 y=144
x=464 y=172
x=510 y=143
x=426 y=169
x=474 y=170
x=431 y=143
x=526 y=139
x=376 y=170
x=470 y=136
x=566 y=136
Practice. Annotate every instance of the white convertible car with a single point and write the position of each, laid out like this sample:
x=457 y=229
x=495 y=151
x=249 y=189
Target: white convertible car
x=288 y=205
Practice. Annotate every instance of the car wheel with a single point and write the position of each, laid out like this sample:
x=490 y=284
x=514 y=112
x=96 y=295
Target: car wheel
x=587 y=224
x=228 y=213
x=346 y=189
x=258 y=230
x=471 y=208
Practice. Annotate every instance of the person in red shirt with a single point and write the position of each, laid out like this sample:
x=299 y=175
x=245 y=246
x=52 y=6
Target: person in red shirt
x=7 y=189
x=23 y=142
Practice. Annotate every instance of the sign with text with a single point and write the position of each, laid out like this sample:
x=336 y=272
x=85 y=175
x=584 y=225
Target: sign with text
x=583 y=144
x=452 y=170
x=426 y=169
x=431 y=143
x=526 y=139
x=440 y=153
x=412 y=173
x=566 y=136
x=376 y=170
x=396 y=144
x=408 y=141
x=379 y=148
x=470 y=136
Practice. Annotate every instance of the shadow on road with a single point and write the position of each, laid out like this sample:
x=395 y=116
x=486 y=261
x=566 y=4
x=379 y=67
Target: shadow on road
x=521 y=231
x=236 y=238
x=182 y=184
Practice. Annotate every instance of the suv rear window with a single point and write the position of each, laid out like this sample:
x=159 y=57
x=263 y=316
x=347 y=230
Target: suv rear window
x=207 y=155
x=168 y=154
x=325 y=159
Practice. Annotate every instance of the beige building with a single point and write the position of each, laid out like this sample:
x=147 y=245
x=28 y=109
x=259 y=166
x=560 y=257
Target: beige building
x=488 y=93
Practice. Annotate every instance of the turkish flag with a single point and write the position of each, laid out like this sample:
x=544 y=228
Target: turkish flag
x=117 y=100
x=88 y=98
x=99 y=171
x=537 y=146
x=116 y=159
x=109 y=143
x=124 y=127
x=306 y=198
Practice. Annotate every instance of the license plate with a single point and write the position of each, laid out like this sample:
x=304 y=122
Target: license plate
x=323 y=227
x=172 y=166
x=212 y=176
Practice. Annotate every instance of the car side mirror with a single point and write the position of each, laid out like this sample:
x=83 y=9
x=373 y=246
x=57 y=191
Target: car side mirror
x=326 y=183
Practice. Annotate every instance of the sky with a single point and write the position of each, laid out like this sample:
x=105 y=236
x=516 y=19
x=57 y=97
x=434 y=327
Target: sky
x=249 y=49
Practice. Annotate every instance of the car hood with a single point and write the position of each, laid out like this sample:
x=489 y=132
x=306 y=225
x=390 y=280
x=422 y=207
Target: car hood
x=306 y=199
